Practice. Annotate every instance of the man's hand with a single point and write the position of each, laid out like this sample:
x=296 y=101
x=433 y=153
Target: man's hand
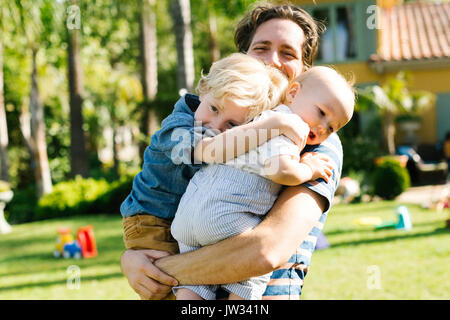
x=148 y=281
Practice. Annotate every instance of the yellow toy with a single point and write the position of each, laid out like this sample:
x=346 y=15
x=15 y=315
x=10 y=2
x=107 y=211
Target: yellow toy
x=64 y=237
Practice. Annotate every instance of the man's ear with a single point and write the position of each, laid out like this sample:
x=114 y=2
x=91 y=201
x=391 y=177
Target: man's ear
x=292 y=91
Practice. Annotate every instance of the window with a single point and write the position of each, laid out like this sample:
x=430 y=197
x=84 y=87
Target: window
x=337 y=44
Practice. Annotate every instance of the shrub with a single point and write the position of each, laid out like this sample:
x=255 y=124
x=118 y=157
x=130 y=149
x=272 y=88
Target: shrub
x=84 y=196
x=22 y=206
x=390 y=179
x=70 y=197
x=74 y=197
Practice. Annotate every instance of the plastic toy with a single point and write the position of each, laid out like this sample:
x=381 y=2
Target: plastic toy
x=404 y=220
x=84 y=246
x=368 y=221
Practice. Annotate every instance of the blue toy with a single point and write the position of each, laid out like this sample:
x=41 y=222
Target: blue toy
x=403 y=223
x=72 y=250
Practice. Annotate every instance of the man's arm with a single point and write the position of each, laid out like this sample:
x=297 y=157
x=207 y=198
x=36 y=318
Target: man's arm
x=256 y=252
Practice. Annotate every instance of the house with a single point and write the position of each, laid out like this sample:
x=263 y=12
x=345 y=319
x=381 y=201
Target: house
x=374 y=39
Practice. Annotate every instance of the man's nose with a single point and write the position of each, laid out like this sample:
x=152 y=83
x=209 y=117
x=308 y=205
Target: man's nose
x=273 y=59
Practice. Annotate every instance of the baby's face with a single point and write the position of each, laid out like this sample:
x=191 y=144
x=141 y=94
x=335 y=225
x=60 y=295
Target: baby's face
x=325 y=108
x=219 y=114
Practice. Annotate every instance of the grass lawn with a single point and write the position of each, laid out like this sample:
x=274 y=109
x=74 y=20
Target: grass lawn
x=360 y=264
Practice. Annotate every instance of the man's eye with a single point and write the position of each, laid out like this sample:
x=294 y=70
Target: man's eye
x=290 y=54
x=259 y=49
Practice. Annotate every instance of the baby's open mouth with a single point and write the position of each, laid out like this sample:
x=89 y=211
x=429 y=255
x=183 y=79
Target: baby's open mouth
x=311 y=135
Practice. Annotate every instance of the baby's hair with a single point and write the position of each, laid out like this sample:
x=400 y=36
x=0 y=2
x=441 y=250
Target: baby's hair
x=327 y=73
x=246 y=81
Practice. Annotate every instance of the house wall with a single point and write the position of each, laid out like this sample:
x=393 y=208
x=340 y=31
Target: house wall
x=436 y=120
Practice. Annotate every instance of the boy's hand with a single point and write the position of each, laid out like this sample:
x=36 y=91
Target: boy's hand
x=293 y=127
x=319 y=164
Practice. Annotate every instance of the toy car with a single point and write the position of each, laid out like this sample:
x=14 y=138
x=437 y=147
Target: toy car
x=84 y=246
x=72 y=250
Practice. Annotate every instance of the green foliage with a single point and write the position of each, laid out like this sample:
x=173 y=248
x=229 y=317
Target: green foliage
x=22 y=206
x=75 y=197
x=4 y=186
x=83 y=196
x=390 y=179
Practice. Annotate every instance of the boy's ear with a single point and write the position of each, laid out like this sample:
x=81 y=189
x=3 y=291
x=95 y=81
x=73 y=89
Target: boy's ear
x=292 y=91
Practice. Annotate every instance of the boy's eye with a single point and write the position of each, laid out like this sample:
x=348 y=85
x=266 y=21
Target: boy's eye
x=321 y=112
x=232 y=124
x=214 y=109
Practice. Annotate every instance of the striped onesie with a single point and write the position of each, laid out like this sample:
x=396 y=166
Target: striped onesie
x=224 y=200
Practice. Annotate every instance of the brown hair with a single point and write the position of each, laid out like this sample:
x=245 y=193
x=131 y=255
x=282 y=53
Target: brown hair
x=246 y=28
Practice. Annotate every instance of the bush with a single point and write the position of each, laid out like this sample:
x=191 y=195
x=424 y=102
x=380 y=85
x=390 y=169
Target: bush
x=390 y=179
x=74 y=197
x=70 y=197
x=22 y=206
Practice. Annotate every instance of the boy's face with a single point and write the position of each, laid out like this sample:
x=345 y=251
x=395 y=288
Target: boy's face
x=325 y=108
x=219 y=114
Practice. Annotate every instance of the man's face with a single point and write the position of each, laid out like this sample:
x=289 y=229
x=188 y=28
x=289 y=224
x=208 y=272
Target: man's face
x=219 y=114
x=278 y=43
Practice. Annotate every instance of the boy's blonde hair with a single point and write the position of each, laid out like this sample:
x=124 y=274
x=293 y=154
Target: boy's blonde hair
x=246 y=81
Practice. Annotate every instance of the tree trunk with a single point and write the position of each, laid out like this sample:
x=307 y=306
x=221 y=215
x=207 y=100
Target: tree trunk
x=4 y=168
x=390 y=133
x=78 y=155
x=214 y=51
x=181 y=14
x=149 y=68
x=37 y=140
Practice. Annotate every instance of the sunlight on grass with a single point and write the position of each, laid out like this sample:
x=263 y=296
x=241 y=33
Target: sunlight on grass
x=28 y=269
x=411 y=264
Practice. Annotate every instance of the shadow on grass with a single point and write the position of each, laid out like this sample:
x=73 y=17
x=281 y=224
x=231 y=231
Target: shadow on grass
x=61 y=282
x=366 y=229
x=400 y=236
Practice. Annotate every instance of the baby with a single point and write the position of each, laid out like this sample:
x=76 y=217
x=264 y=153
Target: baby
x=223 y=200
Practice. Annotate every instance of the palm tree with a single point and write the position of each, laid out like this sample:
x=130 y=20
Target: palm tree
x=3 y=124
x=394 y=99
x=32 y=120
x=181 y=14
x=78 y=156
x=149 y=66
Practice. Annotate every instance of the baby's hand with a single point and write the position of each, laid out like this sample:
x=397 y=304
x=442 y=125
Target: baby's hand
x=319 y=164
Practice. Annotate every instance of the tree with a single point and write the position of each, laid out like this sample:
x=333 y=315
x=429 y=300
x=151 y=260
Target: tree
x=181 y=15
x=3 y=124
x=149 y=66
x=78 y=155
x=32 y=120
x=394 y=99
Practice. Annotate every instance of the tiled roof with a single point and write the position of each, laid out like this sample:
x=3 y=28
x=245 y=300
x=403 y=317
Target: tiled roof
x=414 y=31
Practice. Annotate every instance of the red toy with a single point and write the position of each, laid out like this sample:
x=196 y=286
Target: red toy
x=84 y=246
x=86 y=239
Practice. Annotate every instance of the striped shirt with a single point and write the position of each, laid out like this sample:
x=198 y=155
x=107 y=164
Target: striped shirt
x=286 y=283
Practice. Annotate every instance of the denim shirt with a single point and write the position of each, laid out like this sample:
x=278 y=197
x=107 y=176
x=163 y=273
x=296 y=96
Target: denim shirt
x=168 y=164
